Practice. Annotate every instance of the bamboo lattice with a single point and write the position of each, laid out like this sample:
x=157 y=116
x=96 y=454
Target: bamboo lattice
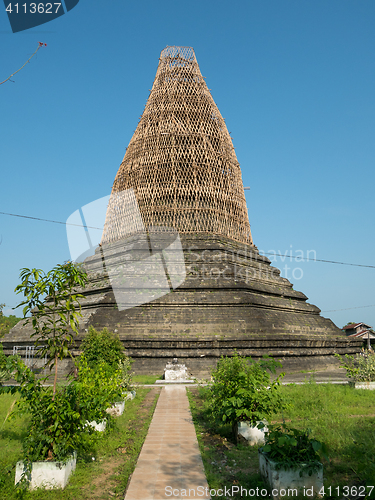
x=180 y=162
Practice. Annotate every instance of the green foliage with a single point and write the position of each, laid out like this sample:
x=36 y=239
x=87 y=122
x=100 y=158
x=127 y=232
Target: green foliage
x=115 y=454
x=105 y=347
x=52 y=301
x=6 y=322
x=56 y=420
x=97 y=389
x=126 y=373
x=102 y=346
x=360 y=368
x=4 y=375
x=242 y=390
x=291 y=447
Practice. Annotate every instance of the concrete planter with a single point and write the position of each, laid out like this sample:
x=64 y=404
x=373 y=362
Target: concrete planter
x=363 y=385
x=117 y=409
x=129 y=395
x=250 y=433
x=98 y=426
x=285 y=483
x=48 y=475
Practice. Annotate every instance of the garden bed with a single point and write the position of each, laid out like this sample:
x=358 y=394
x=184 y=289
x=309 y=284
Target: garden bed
x=338 y=415
x=101 y=473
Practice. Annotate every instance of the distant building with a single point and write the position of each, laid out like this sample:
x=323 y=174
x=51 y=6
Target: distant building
x=360 y=330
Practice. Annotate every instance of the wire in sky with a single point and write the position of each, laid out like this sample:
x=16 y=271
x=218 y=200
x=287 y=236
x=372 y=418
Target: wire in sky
x=48 y=220
x=317 y=260
x=264 y=253
x=40 y=44
x=347 y=308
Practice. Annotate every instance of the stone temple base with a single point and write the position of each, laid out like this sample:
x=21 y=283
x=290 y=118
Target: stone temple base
x=231 y=298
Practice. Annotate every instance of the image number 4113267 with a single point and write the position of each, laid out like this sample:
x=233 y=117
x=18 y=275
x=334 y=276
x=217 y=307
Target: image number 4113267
x=24 y=15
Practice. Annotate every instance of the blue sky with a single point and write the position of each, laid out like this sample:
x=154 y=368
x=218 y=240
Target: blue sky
x=294 y=80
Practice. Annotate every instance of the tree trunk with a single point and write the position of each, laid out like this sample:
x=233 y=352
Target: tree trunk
x=55 y=381
x=235 y=431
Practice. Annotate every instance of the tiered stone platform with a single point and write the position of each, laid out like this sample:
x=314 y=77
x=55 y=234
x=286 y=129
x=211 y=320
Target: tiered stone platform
x=232 y=298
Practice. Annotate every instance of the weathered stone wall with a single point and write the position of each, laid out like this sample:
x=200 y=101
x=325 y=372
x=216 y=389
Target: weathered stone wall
x=232 y=298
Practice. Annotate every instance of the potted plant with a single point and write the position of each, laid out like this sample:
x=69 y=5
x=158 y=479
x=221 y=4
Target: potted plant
x=243 y=395
x=360 y=369
x=55 y=430
x=56 y=427
x=290 y=462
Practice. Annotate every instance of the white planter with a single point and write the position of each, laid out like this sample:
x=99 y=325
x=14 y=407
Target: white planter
x=98 y=426
x=48 y=475
x=116 y=409
x=285 y=483
x=129 y=395
x=251 y=433
x=363 y=385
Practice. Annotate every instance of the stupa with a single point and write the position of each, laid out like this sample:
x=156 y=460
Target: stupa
x=177 y=274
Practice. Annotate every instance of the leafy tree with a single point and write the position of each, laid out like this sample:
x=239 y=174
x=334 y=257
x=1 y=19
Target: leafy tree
x=7 y=322
x=57 y=420
x=52 y=300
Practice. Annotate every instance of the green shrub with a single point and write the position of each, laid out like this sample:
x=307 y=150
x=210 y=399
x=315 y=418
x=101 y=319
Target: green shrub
x=102 y=346
x=97 y=389
x=360 y=368
x=126 y=373
x=242 y=390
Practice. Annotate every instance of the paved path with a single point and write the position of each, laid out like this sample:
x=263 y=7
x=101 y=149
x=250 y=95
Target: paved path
x=170 y=462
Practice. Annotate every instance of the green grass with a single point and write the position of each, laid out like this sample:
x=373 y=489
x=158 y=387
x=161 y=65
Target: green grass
x=101 y=472
x=344 y=419
x=338 y=415
x=11 y=433
x=145 y=379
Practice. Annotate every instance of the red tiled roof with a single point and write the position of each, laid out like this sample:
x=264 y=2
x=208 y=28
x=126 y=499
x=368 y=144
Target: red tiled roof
x=363 y=334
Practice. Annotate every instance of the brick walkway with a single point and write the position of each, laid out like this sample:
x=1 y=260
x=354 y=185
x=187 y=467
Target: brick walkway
x=170 y=463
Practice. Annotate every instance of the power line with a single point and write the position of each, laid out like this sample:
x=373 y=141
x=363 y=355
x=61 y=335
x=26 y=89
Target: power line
x=48 y=220
x=40 y=44
x=317 y=260
x=347 y=308
x=264 y=253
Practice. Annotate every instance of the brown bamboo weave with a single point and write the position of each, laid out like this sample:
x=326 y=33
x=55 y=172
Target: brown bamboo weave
x=180 y=162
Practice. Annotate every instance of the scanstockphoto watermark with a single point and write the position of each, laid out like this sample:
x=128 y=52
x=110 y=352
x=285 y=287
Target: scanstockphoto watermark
x=205 y=492
x=308 y=492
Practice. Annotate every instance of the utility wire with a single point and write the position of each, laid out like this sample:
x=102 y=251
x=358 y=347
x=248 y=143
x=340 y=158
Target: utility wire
x=40 y=45
x=347 y=308
x=264 y=253
x=48 y=220
x=317 y=260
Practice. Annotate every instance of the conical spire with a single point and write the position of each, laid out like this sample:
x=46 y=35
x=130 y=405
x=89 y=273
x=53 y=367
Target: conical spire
x=180 y=163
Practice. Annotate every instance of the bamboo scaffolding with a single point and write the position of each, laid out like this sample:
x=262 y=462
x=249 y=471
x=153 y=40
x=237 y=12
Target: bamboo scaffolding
x=180 y=162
